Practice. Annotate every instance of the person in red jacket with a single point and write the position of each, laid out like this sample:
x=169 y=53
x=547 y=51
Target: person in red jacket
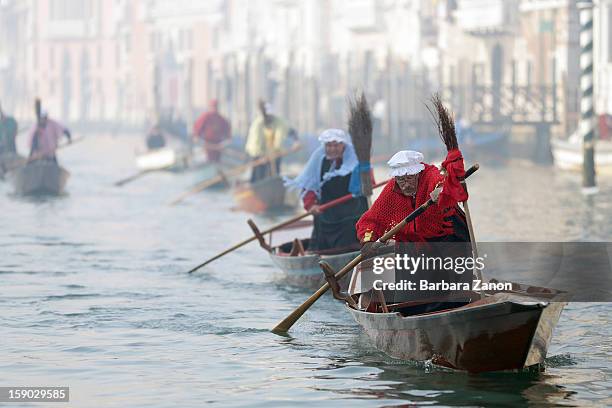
x=412 y=184
x=214 y=129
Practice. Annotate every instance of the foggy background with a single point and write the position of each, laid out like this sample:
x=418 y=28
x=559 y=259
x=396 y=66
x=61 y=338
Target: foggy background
x=509 y=66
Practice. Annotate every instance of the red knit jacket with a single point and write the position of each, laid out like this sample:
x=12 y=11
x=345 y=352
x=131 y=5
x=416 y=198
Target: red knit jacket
x=392 y=207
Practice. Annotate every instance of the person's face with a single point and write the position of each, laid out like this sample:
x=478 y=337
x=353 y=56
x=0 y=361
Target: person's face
x=408 y=183
x=334 y=150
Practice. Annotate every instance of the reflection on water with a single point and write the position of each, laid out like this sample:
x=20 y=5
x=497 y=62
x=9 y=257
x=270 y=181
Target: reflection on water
x=95 y=297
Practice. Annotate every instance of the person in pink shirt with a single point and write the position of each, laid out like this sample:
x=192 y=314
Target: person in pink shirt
x=44 y=138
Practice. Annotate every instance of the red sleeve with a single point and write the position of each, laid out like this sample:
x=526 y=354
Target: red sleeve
x=374 y=221
x=199 y=124
x=310 y=199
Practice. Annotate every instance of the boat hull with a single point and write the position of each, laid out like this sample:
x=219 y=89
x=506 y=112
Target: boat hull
x=304 y=271
x=162 y=159
x=262 y=196
x=568 y=155
x=39 y=178
x=501 y=332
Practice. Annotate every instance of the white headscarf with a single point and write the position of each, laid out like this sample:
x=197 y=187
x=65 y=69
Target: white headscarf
x=310 y=179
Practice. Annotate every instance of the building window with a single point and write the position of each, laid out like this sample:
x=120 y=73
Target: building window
x=99 y=56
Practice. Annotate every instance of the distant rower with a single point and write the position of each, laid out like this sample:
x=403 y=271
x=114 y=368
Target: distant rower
x=213 y=129
x=8 y=133
x=266 y=136
x=45 y=136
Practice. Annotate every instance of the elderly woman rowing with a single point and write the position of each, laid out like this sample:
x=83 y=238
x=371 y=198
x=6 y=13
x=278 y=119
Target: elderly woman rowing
x=331 y=172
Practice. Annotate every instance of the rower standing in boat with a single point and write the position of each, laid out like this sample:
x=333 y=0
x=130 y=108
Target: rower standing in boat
x=8 y=133
x=266 y=136
x=326 y=177
x=412 y=184
x=156 y=139
x=44 y=138
x=213 y=129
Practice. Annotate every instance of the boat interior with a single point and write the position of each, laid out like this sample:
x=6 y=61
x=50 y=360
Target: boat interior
x=374 y=301
x=300 y=247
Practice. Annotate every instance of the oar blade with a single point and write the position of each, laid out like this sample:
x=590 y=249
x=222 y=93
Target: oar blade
x=289 y=321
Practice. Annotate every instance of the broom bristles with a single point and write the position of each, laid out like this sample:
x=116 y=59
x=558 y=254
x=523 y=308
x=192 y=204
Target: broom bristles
x=444 y=121
x=360 y=127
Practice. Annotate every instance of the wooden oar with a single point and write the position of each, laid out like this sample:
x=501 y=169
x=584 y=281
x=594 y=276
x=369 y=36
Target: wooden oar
x=33 y=158
x=225 y=147
x=283 y=224
x=72 y=143
x=140 y=174
x=287 y=322
x=233 y=172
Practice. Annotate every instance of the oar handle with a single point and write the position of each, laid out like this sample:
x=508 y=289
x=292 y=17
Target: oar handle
x=285 y=324
x=346 y=197
x=471 y=170
x=73 y=142
x=132 y=177
x=227 y=251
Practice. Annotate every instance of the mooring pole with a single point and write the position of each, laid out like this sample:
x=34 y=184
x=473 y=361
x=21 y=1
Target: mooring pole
x=587 y=115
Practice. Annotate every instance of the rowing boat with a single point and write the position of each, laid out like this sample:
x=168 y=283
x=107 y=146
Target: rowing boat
x=166 y=158
x=262 y=196
x=299 y=267
x=303 y=269
x=504 y=330
x=568 y=154
x=39 y=177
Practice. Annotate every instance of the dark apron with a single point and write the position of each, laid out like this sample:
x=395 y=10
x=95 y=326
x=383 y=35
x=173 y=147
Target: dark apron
x=335 y=229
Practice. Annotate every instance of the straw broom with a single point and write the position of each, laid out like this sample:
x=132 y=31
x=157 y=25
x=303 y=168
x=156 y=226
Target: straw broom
x=444 y=121
x=360 y=129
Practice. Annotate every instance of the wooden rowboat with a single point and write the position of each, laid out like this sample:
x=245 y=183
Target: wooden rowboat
x=505 y=330
x=300 y=269
x=262 y=196
x=568 y=154
x=39 y=178
x=166 y=158
x=303 y=270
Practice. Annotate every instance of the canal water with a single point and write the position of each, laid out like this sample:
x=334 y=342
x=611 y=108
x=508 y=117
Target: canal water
x=94 y=296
